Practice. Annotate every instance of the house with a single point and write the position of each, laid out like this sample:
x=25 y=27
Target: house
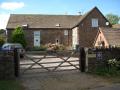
x=107 y=37
x=69 y=30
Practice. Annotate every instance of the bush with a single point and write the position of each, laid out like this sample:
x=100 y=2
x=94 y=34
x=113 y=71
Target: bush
x=2 y=41
x=105 y=71
x=58 y=47
x=112 y=68
x=18 y=36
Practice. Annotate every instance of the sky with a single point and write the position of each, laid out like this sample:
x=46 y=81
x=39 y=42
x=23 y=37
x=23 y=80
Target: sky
x=71 y=7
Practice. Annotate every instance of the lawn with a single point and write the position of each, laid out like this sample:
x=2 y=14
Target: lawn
x=10 y=85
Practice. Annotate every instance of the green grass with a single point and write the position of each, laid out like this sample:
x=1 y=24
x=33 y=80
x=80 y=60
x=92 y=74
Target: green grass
x=112 y=74
x=10 y=85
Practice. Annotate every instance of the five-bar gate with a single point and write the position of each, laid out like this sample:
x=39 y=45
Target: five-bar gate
x=49 y=62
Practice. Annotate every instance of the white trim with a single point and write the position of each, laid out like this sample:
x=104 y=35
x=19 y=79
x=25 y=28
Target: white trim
x=37 y=38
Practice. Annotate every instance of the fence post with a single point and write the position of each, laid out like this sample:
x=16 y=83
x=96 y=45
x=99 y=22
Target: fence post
x=86 y=59
x=82 y=59
x=16 y=62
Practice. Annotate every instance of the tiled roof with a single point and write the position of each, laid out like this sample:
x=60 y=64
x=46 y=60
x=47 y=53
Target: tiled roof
x=116 y=26
x=112 y=35
x=46 y=21
x=43 y=21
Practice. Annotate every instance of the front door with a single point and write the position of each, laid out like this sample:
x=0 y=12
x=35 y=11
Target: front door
x=36 y=38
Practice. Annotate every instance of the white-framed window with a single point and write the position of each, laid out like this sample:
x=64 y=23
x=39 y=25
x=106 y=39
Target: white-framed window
x=37 y=33
x=65 y=32
x=94 y=22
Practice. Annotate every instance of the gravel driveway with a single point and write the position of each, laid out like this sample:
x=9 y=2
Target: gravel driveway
x=67 y=80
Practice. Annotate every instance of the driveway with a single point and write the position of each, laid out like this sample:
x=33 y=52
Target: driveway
x=111 y=87
x=67 y=80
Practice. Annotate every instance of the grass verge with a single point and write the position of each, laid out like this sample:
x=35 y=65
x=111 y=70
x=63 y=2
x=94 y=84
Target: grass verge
x=112 y=74
x=10 y=85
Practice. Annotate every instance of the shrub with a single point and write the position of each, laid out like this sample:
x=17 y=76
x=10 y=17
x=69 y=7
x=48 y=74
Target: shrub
x=112 y=68
x=55 y=47
x=105 y=71
x=18 y=36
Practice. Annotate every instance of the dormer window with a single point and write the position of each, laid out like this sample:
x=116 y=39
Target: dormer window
x=25 y=25
x=94 y=22
x=57 y=25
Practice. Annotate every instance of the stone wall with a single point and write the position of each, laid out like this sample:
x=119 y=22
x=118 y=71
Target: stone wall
x=6 y=67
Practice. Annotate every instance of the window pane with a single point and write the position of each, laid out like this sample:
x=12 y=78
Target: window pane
x=94 y=22
x=65 y=32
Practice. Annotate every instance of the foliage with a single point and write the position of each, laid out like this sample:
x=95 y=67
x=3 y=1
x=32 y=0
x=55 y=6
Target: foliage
x=113 y=19
x=18 y=36
x=54 y=47
x=49 y=46
x=105 y=71
x=112 y=68
x=2 y=41
x=2 y=31
x=112 y=62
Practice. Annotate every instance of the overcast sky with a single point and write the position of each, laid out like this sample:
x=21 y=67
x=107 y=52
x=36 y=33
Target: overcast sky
x=54 y=7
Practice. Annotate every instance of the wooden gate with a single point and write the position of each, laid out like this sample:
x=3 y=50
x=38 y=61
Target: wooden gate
x=49 y=61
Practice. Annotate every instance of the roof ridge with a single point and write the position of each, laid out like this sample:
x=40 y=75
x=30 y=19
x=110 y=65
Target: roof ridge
x=47 y=14
x=86 y=14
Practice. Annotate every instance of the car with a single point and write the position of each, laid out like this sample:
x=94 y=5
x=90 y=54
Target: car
x=12 y=46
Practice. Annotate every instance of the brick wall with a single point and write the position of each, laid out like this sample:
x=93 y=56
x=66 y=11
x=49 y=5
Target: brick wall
x=47 y=36
x=87 y=33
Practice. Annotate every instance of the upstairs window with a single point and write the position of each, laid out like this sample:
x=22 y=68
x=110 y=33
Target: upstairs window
x=94 y=22
x=65 y=32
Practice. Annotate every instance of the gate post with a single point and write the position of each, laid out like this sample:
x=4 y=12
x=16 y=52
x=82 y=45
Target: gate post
x=82 y=61
x=16 y=62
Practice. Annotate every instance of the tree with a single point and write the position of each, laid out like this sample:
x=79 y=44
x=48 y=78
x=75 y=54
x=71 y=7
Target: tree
x=113 y=19
x=2 y=31
x=18 y=36
x=2 y=41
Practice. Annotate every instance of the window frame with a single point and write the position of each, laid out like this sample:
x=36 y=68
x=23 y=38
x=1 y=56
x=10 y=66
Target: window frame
x=66 y=32
x=94 y=22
